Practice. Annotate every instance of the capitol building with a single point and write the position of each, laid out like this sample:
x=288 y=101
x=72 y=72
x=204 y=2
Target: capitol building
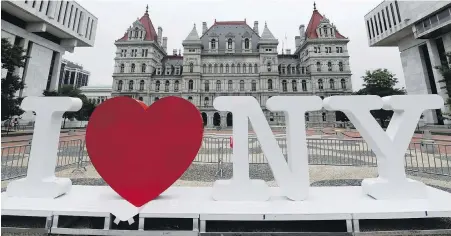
x=231 y=58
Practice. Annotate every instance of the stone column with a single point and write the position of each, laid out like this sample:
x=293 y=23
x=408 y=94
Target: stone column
x=56 y=72
x=209 y=119
x=223 y=120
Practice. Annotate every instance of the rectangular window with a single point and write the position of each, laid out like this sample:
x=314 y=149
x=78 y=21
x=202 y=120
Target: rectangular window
x=59 y=12
x=393 y=14
x=385 y=22
x=380 y=22
x=90 y=30
x=34 y=4
x=70 y=16
x=375 y=22
x=75 y=19
x=397 y=11
x=40 y=6
x=388 y=17
x=191 y=50
x=65 y=13
x=177 y=71
x=372 y=27
x=168 y=71
x=79 y=21
x=368 y=27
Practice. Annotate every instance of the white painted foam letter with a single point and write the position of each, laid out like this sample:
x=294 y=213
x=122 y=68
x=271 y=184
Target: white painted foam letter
x=41 y=181
x=292 y=177
x=389 y=146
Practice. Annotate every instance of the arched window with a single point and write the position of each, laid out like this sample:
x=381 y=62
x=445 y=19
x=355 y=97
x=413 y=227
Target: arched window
x=343 y=83
x=307 y=117
x=238 y=68
x=157 y=86
x=304 y=85
x=166 y=86
x=340 y=66
x=218 y=85
x=133 y=68
x=233 y=68
x=318 y=66
x=241 y=85
x=254 y=85
x=140 y=98
x=190 y=99
x=204 y=68
x=191 y=67
x=156 y=99
x=320 y=84
x=229 y=44
x=143 y=68
x=324 y=116
x=206 y=100
x=221 y=68
x=216 y=69
x=244 y=68
x=190 y=85
x=213 y=44
x=268 y=66
x=141 y=85
x=255 y=68
x=332 y=84
x=246 y=43
x=294 y=86
x=250 y=68
x=227 y=68
x=329 y=66
x=210 y=68
x=284 y=85
x=119 y=85
x=230 y=85
x=122 y=68
x=207 y=86
x=270 y=84
x=130 y=85
x=176 y=86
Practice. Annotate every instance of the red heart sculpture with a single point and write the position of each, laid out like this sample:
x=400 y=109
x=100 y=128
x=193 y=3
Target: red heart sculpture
x=141 y=151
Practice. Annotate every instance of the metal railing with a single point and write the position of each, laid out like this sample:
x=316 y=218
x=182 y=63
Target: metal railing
x=422 y=157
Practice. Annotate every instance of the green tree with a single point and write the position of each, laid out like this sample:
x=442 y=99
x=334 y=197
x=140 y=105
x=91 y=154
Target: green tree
x=13 y=57
x=445 y=70
x=69 y=91
x=380 y=82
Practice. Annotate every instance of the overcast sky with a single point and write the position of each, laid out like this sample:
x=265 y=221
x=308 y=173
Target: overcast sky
x=283 y=17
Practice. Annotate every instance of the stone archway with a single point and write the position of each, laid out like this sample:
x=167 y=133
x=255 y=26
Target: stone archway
x=216 y=119
x=229 y=119
x=204 y=118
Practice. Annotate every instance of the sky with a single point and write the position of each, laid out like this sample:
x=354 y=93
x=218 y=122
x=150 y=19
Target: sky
x=283 y=17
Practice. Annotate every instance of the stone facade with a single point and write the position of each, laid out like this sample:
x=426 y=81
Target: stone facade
x=230 y=58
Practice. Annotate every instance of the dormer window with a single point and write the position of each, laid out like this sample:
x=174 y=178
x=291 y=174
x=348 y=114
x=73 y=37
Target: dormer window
x=246 y=43
x=229 y=44
x=158 y=71
x=269 y=66
x=177 y=70
x=213 y=44
x=168 y=70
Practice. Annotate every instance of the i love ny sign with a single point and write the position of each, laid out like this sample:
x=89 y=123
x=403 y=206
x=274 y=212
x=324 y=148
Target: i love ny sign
x=141 y=151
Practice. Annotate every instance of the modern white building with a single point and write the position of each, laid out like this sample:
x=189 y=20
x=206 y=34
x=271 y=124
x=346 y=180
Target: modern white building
x=422 y=32
x=232 y=58
x=73 y=74
x=46 y=30
x=97 y=94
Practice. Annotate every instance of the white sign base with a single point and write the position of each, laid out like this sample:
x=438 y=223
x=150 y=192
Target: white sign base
x=252 y=190
x=380 y=188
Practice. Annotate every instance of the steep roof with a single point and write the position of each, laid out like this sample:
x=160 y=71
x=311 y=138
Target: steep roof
x=234 y=29
x=151 y=34
x=193 y=35
x=315 y=20
x=267 y=34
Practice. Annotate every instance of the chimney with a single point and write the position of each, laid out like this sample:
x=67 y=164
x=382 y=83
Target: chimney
x=165 y=43
x=288 y=51
x=256 y=27
x=297 y=41
x=180 y=52
x=160 y=34
x=204 y=27
x=174 y=52
x=302 y=31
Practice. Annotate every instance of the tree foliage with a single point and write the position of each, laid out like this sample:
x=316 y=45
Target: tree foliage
x=69 y=91
x=380 y=82
x=445 y=70
x=13 y=57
